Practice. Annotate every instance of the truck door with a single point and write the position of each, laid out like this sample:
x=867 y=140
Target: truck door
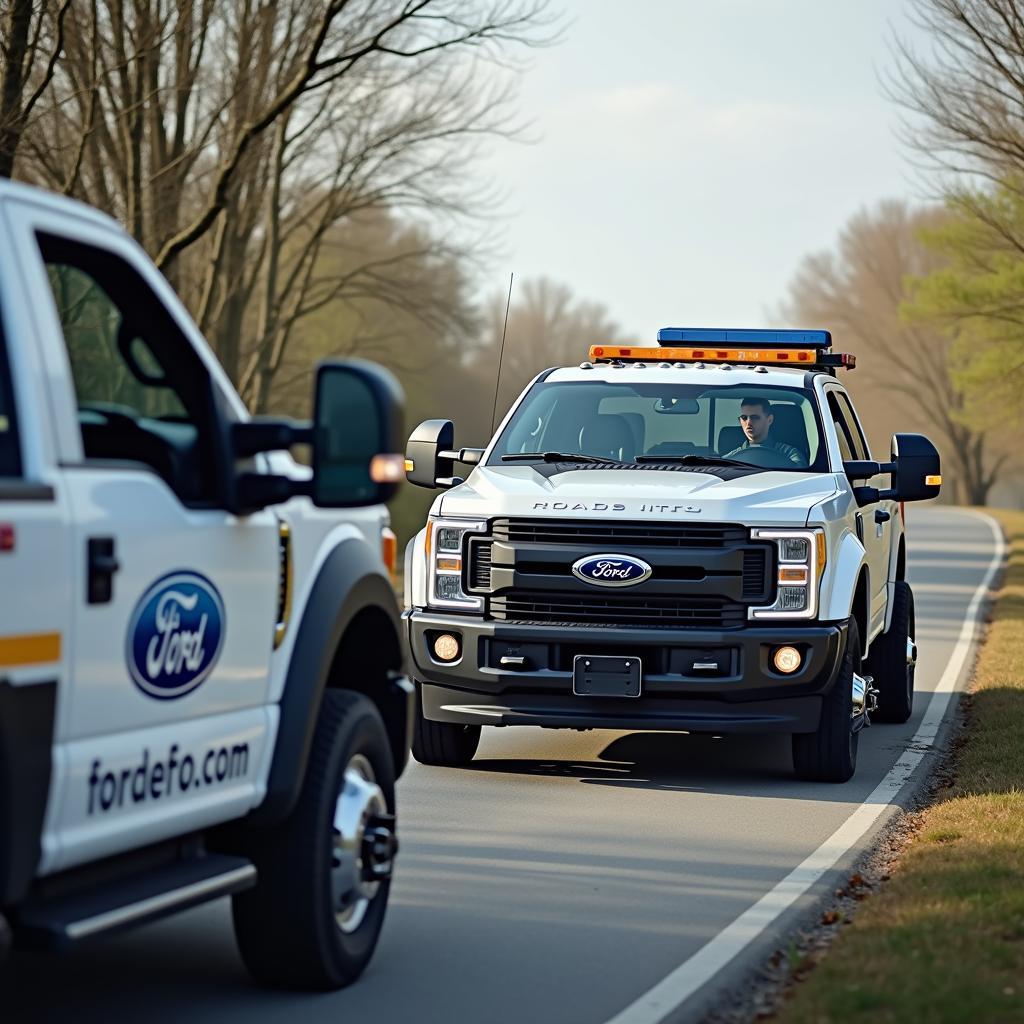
x=874 y=520
x=173 y=598
x=34 y=615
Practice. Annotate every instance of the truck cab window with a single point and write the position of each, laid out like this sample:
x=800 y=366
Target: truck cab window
x=844 y=434
x=10 y=456
x=860 y=443
x=143 y=396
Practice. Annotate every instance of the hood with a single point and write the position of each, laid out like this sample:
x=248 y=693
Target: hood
x=753 y=499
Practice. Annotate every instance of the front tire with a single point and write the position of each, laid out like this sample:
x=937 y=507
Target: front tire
x=830 y=753
x=889 y=663
x=442 y=744
x=313 y=919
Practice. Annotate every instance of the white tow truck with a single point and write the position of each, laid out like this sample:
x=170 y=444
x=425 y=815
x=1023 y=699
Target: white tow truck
x=201 y=686
x=689 y=537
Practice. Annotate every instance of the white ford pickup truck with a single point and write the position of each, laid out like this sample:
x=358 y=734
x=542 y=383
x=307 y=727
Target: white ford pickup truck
x=201 y=688
x=690 y=537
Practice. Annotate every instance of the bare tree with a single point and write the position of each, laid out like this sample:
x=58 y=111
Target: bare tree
x=236 y=140
x=31 y=42
x=905 y=370
x=965 y=96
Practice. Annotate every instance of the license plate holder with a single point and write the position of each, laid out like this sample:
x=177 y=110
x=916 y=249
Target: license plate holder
x=599 y=675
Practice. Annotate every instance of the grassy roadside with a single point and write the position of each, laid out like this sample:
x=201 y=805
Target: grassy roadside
x=943 y=940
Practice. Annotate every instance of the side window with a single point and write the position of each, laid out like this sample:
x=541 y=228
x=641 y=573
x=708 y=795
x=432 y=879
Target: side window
x=846 y=445
x=143 y=394
x=10 y=454
x=860 y=444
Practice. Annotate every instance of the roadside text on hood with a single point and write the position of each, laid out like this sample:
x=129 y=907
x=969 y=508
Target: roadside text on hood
x=601 y=506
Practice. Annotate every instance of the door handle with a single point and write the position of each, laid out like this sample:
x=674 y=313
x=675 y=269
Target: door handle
x=101 y=564
x=881 y=516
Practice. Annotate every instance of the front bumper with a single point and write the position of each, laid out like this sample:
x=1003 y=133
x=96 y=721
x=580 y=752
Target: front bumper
x=742 y=693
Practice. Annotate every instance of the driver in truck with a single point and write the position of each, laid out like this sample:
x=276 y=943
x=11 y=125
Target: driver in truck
x=756 y=419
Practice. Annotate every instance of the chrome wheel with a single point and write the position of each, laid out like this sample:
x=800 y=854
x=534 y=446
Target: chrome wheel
x=363 y=844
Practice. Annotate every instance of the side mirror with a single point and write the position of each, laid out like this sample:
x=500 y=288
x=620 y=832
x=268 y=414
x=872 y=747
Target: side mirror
x=430 y=456
x=917 y=474
x=357 y=423
x=914 y=470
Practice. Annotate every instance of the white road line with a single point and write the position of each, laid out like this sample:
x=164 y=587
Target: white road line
x=667 y=996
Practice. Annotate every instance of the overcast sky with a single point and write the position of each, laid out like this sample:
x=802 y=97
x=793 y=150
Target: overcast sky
x=693 y=151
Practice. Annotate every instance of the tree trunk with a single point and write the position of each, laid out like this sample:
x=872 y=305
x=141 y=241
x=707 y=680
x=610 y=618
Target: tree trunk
x=12 y=120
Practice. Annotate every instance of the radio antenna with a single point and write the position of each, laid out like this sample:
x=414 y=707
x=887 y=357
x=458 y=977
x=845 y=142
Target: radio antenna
x=501 y=353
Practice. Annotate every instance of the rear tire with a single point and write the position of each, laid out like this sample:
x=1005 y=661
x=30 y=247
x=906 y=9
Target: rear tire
x=304 y=925
x=442 y=744
x=887 y=661
x=830 y=754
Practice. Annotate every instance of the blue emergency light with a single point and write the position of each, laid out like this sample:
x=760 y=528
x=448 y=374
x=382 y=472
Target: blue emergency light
x=753 y=337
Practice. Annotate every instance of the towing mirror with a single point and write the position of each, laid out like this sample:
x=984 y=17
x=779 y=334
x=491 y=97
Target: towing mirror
x=357 y=423
x=914 y=469
x=430 y=455
x=917 y=473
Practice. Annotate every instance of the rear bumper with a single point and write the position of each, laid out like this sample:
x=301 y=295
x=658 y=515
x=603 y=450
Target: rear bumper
x=742 y=693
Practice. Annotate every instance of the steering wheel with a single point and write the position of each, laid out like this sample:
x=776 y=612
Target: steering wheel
x=766 y=457
x=145 y=446
x=115 y=415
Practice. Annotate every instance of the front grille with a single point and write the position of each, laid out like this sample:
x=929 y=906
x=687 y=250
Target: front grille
x=719 y=572
x=614 y=610
x=756 y=562
x=632 y=534
x=479 y=564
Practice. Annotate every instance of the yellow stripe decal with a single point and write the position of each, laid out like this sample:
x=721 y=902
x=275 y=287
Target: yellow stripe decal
x=29 y=649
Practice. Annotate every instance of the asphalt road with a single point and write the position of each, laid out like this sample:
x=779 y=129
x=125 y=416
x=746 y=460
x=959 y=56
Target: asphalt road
x=558 y=879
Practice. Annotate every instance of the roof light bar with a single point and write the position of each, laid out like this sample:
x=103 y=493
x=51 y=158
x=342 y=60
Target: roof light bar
x=752 y=338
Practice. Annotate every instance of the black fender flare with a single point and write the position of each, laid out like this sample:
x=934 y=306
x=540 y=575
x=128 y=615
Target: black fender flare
x=351 y=580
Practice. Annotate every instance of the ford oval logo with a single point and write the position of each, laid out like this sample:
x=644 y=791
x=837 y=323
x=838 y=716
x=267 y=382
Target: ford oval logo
x=611 y=570
x=175 y=635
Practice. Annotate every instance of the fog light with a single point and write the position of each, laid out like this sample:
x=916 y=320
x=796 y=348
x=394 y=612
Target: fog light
x=786 y=659
x=446 y=647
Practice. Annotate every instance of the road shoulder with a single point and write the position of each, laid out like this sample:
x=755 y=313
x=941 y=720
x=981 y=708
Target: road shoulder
x=942 y=939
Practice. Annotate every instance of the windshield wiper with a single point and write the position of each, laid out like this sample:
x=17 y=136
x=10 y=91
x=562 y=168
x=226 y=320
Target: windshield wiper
x=559 y=457
x=696 y=460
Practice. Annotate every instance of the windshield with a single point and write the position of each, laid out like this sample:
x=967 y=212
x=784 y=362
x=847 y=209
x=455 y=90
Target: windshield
x=640 y=422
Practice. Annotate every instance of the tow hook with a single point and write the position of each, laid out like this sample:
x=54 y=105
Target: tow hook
x=380 y=845
x=865 y=700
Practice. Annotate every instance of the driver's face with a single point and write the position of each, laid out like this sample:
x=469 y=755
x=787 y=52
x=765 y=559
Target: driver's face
x=755 y=423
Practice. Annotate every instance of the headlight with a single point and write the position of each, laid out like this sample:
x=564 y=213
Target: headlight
x=801 y=561
x=446 y=561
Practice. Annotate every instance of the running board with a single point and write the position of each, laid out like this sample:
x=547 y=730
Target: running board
x=134 y=900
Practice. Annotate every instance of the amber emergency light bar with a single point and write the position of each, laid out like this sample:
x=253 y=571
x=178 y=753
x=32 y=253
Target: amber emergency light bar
x=807 y=358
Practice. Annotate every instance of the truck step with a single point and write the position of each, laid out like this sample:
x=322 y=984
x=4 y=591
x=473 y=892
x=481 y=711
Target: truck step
x=132 y=900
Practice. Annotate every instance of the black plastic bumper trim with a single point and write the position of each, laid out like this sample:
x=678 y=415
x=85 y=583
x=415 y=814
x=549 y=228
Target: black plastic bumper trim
x=746 y=674
x=566 y=711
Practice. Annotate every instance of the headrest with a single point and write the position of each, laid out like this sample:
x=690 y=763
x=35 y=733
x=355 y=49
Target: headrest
x=789 y=427
x=609 y=436
x=729 y=439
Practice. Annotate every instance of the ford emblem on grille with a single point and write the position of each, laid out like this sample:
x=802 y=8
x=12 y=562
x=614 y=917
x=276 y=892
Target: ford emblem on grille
x=611 y=570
